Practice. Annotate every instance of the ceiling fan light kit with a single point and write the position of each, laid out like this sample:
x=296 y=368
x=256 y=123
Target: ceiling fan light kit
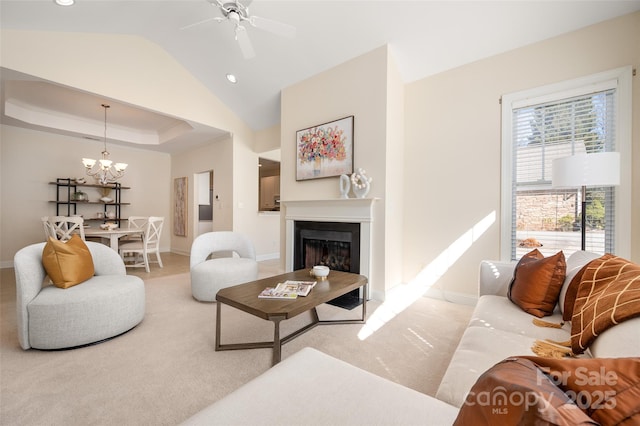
x=237 y=14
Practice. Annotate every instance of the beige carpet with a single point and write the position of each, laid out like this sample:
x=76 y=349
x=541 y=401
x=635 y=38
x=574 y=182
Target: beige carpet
x=166 y=369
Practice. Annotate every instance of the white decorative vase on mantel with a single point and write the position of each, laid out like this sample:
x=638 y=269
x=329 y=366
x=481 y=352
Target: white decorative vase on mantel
x=345 y=186
x=360 y=183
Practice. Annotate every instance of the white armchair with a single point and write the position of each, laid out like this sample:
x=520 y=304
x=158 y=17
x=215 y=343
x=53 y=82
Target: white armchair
x=210 y=275
x=107 y=305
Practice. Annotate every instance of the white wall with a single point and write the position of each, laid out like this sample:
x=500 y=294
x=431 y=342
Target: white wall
x=452 y=168
x=31 y=159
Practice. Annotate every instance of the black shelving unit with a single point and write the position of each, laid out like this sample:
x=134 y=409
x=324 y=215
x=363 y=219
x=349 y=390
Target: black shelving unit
x=67 y=206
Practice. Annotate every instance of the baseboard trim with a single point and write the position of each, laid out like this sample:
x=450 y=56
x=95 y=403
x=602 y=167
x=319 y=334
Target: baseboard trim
x=450 y=296
x=180 y=252
x=267 y=256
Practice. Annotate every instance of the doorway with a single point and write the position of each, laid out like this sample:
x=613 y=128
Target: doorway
x=204 y=192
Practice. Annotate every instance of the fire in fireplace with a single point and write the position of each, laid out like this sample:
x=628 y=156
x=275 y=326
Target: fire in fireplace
x=333 y=244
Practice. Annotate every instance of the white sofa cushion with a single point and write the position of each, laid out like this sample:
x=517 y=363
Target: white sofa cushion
x=500 y=313
x=621 y=340
x=313 y=388
x=480 y=349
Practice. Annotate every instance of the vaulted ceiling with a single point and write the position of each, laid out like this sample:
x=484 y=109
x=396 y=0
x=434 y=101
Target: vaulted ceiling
x=425 y=37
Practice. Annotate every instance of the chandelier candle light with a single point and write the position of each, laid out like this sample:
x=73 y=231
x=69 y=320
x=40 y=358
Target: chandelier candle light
x=106 y=172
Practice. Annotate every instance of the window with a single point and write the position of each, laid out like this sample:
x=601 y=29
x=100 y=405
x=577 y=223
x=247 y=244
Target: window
x=581 y=116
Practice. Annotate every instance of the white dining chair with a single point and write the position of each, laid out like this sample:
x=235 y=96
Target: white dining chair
x=49 y=230
x=135 y=222
x=150 y=244
x=63 y=227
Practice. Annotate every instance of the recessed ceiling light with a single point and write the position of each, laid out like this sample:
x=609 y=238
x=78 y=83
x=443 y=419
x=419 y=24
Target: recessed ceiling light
x=64 y=2
x=232 y=78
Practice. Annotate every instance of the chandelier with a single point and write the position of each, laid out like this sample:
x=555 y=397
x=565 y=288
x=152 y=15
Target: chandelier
x=105 y=172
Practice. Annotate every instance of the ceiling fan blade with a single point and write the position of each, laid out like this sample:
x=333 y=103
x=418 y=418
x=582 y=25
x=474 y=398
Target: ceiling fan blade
x=275 y=27
x=198 y=23
x=244 y=42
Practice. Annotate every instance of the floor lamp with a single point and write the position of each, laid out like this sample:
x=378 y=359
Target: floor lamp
x=582 y=170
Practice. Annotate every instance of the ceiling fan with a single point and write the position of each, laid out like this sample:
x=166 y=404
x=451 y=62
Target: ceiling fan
x=238 y=14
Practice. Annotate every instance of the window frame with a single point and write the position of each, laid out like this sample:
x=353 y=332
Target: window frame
x=621 y=79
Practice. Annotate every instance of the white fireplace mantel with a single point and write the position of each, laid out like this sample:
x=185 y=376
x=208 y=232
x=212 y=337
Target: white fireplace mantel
x=351 y=210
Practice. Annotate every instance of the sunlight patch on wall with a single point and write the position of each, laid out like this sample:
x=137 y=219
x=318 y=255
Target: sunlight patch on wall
x=404 y=295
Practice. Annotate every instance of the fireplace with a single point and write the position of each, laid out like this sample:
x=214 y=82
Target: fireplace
x=333 y=244
x=353 y=211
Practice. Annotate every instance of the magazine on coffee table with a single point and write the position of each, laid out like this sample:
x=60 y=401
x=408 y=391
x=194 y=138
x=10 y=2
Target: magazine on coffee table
x=273 y=293
x=301 y=288
x=289 y=289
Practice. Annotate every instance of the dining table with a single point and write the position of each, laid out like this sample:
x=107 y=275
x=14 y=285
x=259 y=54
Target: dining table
x=113 y=235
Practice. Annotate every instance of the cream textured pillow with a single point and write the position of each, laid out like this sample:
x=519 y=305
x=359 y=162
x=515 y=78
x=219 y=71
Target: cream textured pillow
x=67 y=264
x=537 y=282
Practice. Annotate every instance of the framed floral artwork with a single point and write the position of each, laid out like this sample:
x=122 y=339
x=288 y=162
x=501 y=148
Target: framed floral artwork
x=325 y=150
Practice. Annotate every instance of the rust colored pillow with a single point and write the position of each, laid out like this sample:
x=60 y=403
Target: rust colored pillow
x=537 y=281
x=67 y=263
x=552 y=391
x=607 y=295
x=606 y=389
x=515 y=392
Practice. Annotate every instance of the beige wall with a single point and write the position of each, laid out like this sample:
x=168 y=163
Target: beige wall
x=134 y=70
x=217 y=157
x=358 y=87
x=267 y=142
x=31 y=159
x=394 y=176
x=452 y=176
x=451 y=158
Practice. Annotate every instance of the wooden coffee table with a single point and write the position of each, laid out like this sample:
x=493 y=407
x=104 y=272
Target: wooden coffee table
x=245 y=298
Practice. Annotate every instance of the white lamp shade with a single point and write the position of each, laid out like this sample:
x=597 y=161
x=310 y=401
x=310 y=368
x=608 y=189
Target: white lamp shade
x=88 y=162
x=105 y=164
x=598 y=169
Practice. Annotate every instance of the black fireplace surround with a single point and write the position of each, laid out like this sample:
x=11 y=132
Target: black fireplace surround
x=333 y=244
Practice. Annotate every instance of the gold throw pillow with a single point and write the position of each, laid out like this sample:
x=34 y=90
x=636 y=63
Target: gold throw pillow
x=67 y=264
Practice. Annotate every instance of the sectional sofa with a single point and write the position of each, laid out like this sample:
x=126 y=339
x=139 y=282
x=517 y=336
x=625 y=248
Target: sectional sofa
x=326 y=390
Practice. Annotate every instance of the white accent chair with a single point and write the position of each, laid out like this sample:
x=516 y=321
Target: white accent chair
x=150 y=244
x=106 y=305
x=65 y=226
x=210 y=271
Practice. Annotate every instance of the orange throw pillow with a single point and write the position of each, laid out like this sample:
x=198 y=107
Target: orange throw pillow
x=67 y=264
x=537 y=281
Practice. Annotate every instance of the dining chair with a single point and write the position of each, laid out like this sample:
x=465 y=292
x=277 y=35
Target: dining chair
x=135 y=222
x=49 y=230
x=150 y=244
x=63 y=227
